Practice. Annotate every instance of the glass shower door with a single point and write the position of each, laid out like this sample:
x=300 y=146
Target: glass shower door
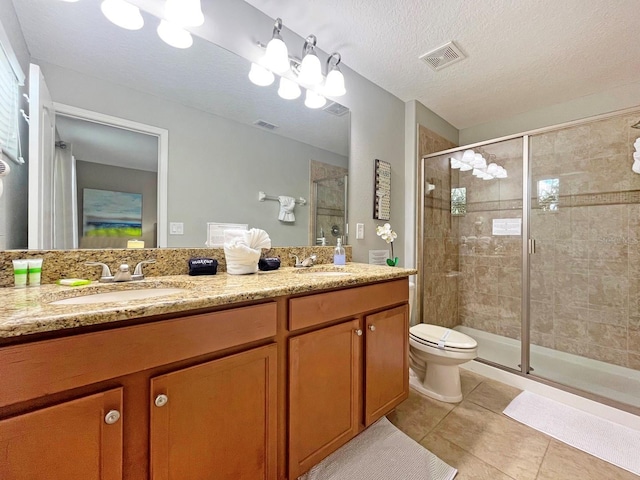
x=584 y=278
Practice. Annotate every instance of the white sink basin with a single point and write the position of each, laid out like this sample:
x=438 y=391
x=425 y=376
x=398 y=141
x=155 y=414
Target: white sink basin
x=119 y=296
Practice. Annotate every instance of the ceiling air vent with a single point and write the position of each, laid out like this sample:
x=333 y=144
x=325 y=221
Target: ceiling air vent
x=443 y=56
x=263 y=124
x=334 y=108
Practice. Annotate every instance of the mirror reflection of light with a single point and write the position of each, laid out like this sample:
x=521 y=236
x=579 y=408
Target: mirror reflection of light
x=174 y=35
x=260 y=76
x=289 y=90
x=123 y=14
x=314 y=100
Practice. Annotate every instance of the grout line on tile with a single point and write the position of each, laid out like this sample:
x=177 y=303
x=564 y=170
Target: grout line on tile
x=543 y=457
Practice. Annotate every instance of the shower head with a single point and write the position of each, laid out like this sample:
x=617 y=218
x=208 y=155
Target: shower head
x=637 y=125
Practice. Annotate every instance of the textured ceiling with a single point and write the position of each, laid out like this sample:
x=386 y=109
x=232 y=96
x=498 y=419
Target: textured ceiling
x=522 y=55
x=206 y=77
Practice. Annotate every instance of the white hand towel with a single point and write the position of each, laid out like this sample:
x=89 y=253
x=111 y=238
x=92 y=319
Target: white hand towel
x=259 y=238
x=287 y=204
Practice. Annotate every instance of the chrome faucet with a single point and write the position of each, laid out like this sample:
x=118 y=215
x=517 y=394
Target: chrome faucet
x=123 y=274
x=307 y=262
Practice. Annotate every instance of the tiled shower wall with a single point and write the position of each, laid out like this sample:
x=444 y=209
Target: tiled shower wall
x=585 y=278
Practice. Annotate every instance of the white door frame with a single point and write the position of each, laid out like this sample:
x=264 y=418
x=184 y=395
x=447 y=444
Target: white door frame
x=163 y=154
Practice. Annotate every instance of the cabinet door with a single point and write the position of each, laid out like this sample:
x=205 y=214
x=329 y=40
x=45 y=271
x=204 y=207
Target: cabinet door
x=77 y=439
x=386 y=361
x=216 y=420
x=324 y=401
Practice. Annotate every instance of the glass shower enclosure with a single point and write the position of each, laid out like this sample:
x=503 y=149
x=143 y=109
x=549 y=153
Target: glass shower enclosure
x=540 y=263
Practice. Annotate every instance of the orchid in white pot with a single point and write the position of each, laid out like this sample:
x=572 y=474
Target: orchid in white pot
x=388 y=236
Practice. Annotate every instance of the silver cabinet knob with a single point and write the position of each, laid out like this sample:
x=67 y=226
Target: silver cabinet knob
x=112 y=417
x=359 y=332
x=372 y=328
x=161 y=400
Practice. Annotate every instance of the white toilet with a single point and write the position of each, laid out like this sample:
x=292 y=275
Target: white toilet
x=434 y=355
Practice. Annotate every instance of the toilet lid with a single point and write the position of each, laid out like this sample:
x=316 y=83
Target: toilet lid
x=442 y=336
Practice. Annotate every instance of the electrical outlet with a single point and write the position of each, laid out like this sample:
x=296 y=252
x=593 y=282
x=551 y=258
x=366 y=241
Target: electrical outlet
x=176 y=228
x=359 y=231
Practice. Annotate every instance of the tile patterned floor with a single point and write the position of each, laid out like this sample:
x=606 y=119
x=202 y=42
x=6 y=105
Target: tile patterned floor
x=483 y=444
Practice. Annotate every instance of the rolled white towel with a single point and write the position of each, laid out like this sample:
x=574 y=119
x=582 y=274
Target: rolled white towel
x=241 y=259
x=258 y=238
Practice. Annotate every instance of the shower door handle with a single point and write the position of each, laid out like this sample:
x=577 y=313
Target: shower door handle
x=532 y=246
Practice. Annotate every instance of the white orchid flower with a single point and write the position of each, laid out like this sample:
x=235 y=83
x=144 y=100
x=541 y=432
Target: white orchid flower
x=386 y=233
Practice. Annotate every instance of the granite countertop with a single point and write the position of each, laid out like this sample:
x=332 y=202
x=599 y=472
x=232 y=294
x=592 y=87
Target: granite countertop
x=28 y=310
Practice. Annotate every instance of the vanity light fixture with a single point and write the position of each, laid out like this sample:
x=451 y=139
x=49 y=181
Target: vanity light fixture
x=123 y=14
x=475 y=161
x=289 y=90
x=276 y=56
x=314 y=100
x=260 y=76
x=185 y=13
x=174 y=35
x=295 y=72
x=334 y=84
x=310 y=73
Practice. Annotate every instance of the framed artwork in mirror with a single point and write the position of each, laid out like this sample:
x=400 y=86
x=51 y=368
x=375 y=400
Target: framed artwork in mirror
x=111 y=214
x=382 y=191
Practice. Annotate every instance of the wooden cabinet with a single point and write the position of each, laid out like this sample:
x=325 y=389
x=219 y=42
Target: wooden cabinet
x=324 y=380
x=345 y=376
x=80 y=439
x=218 y=371
x=386 y=362
x=216 y=420
x=255 y=392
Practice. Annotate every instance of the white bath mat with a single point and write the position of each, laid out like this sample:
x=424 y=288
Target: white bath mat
x=381 y=452
x=601 y=438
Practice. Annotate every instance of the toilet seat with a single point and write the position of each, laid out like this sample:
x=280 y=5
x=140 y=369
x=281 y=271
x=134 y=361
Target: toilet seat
x=441 y=338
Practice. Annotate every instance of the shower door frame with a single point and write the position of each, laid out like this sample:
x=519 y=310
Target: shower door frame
x=528 y=249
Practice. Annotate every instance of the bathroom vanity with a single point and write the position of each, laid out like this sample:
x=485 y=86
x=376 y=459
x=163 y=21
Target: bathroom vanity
x=237 y=377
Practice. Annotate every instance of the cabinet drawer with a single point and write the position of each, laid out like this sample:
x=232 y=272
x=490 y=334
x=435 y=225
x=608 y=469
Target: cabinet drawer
x=37 y=369
x=326 y=307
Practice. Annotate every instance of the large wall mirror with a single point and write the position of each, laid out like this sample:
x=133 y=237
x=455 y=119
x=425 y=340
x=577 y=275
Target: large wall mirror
x=228 y=139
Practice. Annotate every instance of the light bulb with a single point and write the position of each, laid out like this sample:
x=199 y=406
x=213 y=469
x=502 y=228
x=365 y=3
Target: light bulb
x=276 y=57
x=260 y=76
x=455 y=163
x=310 y=70
x=477 y=173
x=334 y=84
x=468 y=156
x=289 y=90
x=314 y=100
x=186 y=13
x=123 y=14
x=465 y=167
x=174 y=35
x=493 y=168
x=479 y=161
